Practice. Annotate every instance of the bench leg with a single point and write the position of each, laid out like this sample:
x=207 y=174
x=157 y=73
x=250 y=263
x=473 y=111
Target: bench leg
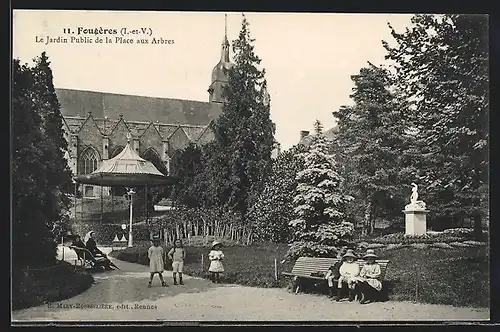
x=297 y=285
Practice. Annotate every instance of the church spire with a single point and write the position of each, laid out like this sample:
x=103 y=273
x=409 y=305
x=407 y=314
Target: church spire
x=220 y=72
x=225 y=43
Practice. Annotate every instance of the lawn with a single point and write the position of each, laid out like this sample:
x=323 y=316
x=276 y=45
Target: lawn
x=251 y=266
x=47 y=285
x=458 y=277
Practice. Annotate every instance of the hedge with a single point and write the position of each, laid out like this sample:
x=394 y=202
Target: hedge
x=448 y=236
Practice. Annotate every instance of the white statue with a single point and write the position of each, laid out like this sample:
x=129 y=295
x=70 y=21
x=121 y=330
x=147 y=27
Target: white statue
x=414 y=202
x=414 y=193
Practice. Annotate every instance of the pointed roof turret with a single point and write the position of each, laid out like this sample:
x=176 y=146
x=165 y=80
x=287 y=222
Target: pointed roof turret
x=218 y=73
x=225 y=44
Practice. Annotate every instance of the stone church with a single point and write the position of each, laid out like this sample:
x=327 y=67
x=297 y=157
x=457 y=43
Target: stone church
x=97 y=124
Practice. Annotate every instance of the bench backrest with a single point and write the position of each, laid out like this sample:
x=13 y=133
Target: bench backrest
x=304 y=266
x=382 y=262
x=82 y=253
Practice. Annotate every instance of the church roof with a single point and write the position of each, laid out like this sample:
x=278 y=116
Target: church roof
x=195 y=133
x=78 y=103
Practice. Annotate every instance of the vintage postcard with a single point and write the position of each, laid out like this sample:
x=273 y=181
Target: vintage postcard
x=225 y=167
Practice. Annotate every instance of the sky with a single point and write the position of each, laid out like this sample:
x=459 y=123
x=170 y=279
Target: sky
x=308 y=57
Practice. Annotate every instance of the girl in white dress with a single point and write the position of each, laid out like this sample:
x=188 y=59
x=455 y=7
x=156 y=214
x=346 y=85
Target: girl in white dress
x=216 y=256
x=155 y=255
x=349 y=272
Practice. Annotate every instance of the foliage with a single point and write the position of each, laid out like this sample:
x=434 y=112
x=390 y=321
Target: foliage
x=239 y=158
x=272 y=208
x=443 y=65
x=34 y=287
x=397 y=238
x=59 y=174
x=188 y=167
x=39 y=170
x=372 y=144
x=319 y=227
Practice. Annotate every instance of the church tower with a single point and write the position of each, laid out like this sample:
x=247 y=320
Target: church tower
x=219 y=74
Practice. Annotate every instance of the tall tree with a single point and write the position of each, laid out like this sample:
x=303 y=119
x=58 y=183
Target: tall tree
x=272 y=208
x=240 y=157
x=319 y=227
x=373 y=137
x=32 y=199
x=444 y=62
x=48 y=107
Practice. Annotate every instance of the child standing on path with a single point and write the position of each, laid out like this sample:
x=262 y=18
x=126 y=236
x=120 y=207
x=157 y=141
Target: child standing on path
x=216 y=256
x=177 y=254
x=155 y=255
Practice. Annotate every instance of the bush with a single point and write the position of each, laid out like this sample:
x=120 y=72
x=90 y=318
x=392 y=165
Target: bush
x=34 y=287
x=428 y=238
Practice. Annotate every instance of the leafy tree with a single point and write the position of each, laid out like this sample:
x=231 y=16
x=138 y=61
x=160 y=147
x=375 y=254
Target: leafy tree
x=32 y=200
x=444 y=62
x=55 y=145
x=319 y=227
x=372 y=145
x=272 y=208
x=240 y=156
x=188 y=166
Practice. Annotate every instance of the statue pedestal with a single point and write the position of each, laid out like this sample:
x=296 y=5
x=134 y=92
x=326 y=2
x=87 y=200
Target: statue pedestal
x=415 y=221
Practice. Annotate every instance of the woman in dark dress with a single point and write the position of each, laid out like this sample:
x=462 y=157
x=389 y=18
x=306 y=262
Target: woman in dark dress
x=77 y=242
x=91 y=245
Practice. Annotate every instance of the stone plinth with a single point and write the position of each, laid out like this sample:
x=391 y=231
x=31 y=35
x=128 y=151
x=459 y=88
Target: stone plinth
x=415 y=221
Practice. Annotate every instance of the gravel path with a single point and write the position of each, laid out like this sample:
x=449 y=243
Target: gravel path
x=124 y=296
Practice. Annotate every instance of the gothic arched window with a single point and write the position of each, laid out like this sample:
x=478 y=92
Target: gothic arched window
x=116 y=151
x=153 y=156
x=88 y=161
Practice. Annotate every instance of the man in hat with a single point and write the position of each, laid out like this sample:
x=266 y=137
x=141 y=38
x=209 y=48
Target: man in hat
x=369 y=283
x=349 y=271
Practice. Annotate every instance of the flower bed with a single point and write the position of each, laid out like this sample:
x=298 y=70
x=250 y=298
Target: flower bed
x=448 y=236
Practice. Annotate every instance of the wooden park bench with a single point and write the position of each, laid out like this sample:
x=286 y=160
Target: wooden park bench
x=315 y=269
